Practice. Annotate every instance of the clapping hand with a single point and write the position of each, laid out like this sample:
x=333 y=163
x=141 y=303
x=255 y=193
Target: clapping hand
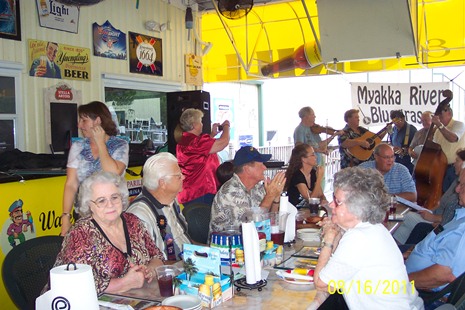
x=276 y=186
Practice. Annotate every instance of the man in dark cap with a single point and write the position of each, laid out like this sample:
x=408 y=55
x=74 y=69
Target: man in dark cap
x=401 y=137
x=248 y=188
x=449 y=135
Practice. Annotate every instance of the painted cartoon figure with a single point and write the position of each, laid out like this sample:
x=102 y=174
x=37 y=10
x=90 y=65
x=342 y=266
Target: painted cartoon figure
x=19 y=226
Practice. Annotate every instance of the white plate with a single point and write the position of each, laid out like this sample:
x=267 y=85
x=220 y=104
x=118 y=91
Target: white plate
x=186 y=302
x=289 y=278
x=308 y=231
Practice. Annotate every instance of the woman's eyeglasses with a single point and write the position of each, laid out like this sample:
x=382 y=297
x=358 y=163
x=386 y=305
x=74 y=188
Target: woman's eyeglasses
x=337 y=202
x=102 y=202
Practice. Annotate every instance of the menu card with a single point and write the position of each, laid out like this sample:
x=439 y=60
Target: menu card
x=297 y=262
x=110 y=301
x=308 y=252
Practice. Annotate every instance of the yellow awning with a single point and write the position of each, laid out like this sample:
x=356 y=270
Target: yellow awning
x=273 y=31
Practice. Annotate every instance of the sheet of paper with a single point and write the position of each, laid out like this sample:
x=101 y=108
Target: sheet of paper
x=411 y=204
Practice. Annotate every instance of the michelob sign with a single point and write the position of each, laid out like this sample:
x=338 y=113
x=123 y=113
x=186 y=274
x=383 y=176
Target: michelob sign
x=53 y=60
x=376 y=100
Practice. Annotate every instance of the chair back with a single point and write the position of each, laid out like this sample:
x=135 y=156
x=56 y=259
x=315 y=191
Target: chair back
x=198 y=220
x=26 y=269
x=455 y=289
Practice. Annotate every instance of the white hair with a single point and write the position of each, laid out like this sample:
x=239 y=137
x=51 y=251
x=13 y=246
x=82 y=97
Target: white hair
x=156 y=168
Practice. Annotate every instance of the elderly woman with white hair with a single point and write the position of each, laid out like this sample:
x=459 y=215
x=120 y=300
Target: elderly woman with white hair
x=114 y=243
x=157 y=208
x=359 y=258
x=198 y=159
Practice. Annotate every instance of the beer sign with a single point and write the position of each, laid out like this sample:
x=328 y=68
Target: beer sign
x=145 y=54
x=59 y=61
x=56 y=15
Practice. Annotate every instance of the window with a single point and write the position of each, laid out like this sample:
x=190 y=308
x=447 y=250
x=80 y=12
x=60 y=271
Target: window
x=11 y=121
x=139 y=107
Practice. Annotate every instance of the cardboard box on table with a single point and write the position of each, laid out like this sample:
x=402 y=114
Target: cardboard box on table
x=207 y=261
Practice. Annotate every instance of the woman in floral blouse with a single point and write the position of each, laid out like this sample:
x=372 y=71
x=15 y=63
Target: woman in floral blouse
x=114 y=243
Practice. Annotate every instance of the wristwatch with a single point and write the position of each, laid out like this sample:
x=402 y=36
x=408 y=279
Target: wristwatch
x=441 y=127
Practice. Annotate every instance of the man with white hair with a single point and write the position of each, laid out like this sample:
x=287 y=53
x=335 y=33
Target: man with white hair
x=156 y=205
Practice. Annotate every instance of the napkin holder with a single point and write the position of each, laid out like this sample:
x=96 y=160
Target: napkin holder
x=70 y=288
x=287 y=214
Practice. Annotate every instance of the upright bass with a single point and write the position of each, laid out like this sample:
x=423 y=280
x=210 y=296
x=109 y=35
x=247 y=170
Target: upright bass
x=431 y=165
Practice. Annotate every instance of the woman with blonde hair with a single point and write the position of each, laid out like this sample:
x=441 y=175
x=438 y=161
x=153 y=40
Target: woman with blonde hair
x=197 y=157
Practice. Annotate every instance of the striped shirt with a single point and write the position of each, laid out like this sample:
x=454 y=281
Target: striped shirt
x=397 y=180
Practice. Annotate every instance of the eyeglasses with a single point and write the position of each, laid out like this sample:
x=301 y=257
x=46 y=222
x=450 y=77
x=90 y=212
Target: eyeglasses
x=387 y=157
x=336 y=201
x=178 y=175
x=102 y=202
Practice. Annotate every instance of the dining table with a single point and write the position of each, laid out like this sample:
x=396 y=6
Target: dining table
x=277 y=293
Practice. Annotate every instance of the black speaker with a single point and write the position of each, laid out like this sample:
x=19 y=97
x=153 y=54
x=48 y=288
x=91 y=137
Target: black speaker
x=180 y=101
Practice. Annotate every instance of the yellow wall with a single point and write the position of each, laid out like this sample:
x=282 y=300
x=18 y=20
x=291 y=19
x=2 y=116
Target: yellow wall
x=42 y=197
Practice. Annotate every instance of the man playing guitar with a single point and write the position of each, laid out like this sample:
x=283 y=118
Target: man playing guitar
x=352 y=131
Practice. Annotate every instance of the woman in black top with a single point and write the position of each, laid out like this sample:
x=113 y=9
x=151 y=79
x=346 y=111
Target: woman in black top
x=303 y=176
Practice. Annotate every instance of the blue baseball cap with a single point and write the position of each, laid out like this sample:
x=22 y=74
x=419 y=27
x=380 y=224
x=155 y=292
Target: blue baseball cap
x=248 y=154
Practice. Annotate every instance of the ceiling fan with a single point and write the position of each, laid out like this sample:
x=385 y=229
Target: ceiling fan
x=234 y=9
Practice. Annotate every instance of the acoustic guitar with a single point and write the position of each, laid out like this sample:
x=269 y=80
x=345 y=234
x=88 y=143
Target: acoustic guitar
x=373 y=139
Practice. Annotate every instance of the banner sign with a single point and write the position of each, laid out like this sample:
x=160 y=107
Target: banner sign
x=376 y=100
x=145 y=54
x=109 y=42
x=53 y=60
x=56 y=15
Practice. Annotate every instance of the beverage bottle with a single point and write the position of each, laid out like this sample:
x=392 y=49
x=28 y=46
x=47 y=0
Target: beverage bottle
x=205 y=291
x=217 y=295
x=43 y=8
x=305 y=56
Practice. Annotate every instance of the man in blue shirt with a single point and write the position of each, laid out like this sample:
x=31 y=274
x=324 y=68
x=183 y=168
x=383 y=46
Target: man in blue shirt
x=396 y=176
x=440 y=257
x=303 y=134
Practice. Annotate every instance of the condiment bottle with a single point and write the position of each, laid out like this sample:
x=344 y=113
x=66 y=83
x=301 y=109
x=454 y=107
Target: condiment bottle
x=279 y=254
x=239 y=256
